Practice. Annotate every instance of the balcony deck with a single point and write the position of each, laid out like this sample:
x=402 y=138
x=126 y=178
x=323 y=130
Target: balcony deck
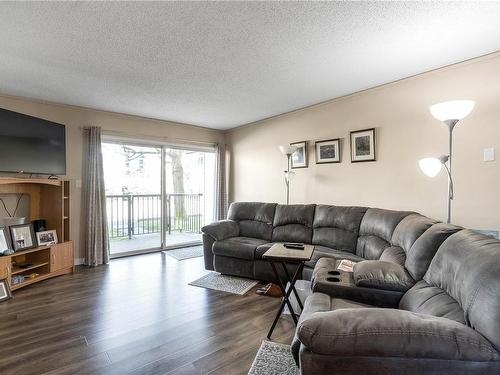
x=150 y=241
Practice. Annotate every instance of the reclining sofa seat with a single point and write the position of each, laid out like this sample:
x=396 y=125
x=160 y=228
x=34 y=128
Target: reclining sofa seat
x=447 y=323
x=229 y=245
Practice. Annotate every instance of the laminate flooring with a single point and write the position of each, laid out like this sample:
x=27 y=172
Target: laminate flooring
x=137 y=315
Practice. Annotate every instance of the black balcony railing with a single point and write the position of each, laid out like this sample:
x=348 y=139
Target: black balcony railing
x=136 y=214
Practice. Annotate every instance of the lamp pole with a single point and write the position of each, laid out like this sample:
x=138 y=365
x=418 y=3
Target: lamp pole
x=451 y=125
x=287 y=178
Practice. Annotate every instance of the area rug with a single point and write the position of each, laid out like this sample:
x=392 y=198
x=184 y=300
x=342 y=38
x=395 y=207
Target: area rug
x=230 y=284
x=273 y=359
x=185 y=252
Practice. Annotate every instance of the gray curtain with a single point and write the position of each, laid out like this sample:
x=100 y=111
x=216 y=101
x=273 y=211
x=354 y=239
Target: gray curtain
x=221 y=200
x=96 y=243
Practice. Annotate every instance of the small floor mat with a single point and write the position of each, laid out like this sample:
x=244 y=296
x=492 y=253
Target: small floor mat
x=274 y=359
x=224 y=283
x=185 y=252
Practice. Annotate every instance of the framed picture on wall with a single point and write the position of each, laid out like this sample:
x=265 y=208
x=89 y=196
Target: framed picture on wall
x=363 y=145
x=23 y=236
x=299 y=157
x=327 y=151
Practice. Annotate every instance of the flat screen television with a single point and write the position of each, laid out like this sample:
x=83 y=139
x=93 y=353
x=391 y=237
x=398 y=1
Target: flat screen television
x=31 y=145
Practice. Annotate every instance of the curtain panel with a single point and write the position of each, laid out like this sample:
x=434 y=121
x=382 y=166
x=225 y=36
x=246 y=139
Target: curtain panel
x=221 y=199
x=96 y=243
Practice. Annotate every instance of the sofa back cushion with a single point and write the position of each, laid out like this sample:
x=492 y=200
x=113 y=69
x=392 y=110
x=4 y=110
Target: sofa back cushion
x=375 y=232
x=404 y=236
x=467 y=268
x=419 y=256
x=337 y=227
x=255 y=219
x=423 y=298
x=293 y=223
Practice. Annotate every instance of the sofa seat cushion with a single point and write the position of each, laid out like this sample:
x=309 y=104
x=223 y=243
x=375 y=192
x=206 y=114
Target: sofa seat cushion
x=237 y=247
x=327 y=252
x=320 y=303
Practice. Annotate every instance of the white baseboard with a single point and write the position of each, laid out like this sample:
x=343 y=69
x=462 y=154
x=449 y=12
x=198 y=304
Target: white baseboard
x=79 y=261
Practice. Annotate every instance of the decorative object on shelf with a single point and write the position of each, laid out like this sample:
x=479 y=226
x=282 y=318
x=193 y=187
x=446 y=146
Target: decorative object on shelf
x=299 y=156
x=5 y=244
x=5 y=292
x=23 y=236
x=17 y=279
x=450 y=113
x=328 y=151
x=362 y=145
x=39 y=225
x=9 y=221
x=46 y=238
x=14 y=210
x=288 y=150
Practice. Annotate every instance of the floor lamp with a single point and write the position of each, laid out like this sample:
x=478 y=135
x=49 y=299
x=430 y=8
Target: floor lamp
x=288 y=150
x=450 y=113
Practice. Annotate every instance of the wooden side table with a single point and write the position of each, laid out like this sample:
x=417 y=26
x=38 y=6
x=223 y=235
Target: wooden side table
x=279 y=254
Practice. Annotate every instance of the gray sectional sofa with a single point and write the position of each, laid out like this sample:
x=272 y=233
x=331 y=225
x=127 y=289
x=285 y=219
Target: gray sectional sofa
x=424 y=297
x=394 y=239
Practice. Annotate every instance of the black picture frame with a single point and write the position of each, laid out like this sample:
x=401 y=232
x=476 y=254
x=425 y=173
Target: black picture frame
x=5 y=292
x=317 y=151
x=16 y=241
x=5 y=241
x=363 y=151
x=302 y=149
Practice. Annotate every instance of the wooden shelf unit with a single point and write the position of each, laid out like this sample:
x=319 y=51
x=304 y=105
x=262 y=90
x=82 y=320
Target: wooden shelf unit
x=49 y=200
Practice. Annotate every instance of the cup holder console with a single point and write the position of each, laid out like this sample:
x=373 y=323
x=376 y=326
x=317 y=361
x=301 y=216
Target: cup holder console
x=333 y=279
x=334 y=273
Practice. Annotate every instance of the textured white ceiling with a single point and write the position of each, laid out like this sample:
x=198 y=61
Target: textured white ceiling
x=222 y=65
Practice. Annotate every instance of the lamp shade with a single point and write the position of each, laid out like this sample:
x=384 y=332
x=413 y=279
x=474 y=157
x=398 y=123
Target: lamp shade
x=288 y=149
x=454 y=110
x=430 y=166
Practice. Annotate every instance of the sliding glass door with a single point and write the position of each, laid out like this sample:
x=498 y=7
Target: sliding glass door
x=133 y=182
x=189 y=193
x=157 y=196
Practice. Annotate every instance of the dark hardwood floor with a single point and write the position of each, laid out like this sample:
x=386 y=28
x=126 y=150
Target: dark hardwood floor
x=137 y=315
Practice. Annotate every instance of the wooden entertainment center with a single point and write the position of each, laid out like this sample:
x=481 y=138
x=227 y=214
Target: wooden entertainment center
x=49 y=200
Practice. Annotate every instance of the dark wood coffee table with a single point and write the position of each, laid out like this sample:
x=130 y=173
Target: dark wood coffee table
x=279 y=254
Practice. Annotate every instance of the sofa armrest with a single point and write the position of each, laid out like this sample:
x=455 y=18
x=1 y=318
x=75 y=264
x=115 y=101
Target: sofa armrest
x=220 y=230
x=382 y=275
x=374 y=332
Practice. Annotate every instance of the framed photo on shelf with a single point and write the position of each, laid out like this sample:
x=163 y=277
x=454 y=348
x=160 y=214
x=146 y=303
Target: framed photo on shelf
x=4 y=240
x=299 y=157
x=5 y=292
x=23 y=236
x=46 y=238
x=363 y=145
x=327 y=151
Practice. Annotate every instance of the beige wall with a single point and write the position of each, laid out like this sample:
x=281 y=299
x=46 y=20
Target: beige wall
x=75 y=118
x=406 y=132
